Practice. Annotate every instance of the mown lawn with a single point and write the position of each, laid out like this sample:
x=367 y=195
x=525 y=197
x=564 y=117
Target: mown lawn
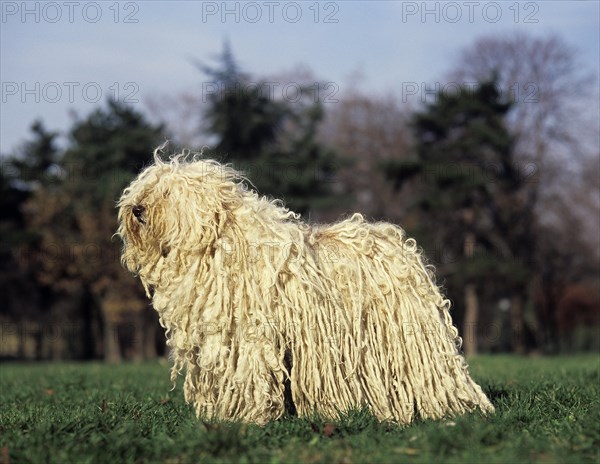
x=547 y=411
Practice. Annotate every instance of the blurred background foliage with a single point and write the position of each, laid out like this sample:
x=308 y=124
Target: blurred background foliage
x=498 y=182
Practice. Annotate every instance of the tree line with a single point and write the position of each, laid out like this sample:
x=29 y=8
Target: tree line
x=498 y=190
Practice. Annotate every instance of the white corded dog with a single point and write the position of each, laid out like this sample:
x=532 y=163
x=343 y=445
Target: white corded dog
x=255 y=302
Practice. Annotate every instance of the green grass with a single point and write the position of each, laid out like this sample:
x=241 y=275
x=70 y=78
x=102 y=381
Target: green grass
x=547 y=411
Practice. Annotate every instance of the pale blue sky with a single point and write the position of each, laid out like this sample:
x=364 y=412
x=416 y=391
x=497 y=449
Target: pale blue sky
x=390 y=42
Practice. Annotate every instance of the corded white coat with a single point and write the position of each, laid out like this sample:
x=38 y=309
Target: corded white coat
x=347 y=315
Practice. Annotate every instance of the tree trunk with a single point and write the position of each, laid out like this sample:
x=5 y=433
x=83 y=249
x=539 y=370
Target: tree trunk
x=112 y=353
x=471 y=320
x=21 y=343
x=150 y=329
x=471 y=301
x=517 y=324
x=92 y=342
x=38 y=338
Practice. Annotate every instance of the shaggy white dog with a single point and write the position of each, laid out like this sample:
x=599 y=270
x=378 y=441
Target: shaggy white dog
x=257 y=304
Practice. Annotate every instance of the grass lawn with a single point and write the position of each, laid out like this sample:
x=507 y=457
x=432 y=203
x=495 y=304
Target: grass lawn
x=547 y=410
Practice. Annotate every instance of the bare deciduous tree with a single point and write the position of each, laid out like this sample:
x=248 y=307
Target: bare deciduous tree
x=367 y=132
x=556 y=135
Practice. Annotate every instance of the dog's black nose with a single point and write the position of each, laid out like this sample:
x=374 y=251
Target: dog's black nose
x=138 y=210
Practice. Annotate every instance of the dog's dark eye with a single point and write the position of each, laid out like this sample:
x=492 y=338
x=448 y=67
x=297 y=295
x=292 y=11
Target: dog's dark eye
x=138 y=211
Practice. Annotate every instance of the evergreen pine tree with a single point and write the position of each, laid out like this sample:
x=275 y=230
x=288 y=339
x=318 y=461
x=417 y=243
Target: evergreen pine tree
x=468 y=202
x=73 y=218
x=272 y=140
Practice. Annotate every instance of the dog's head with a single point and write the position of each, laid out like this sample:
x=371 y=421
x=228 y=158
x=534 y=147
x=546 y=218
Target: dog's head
x=173 y=210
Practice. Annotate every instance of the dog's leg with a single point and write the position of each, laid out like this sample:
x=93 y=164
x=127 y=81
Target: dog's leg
x=252 y=388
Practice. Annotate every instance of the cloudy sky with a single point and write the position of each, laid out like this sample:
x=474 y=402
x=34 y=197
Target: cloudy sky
x=61 y=58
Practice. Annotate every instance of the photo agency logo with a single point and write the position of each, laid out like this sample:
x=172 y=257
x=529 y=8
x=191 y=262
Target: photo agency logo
x=270 y=12
x=67 y=173
x=470 y=12
x=71 y=92
x=70 y=12
x=427 y=92
x=291 y=92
